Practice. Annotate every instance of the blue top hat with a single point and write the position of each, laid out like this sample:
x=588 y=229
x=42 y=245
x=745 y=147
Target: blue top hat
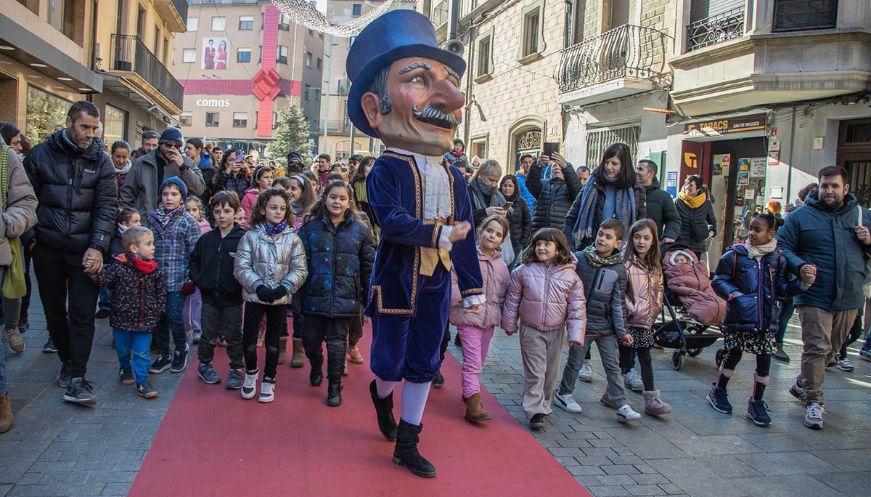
x=397 y=34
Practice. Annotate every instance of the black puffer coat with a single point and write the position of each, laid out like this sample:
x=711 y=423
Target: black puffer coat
x=138 y=298
x=211 y=267
x=340 y=260
x=695 y=224
x=553 y=199
x=77 y=193
x=520 y=223
x=605 y=290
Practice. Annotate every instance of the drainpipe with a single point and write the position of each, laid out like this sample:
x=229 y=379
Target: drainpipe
x=791 y=148
x=469 y=75
x=93 y=55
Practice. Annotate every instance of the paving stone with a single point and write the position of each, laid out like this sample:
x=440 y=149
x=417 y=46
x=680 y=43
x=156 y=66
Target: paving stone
x=620 y=469
x=645 y=490
x=786 y=486
x=786 y=463
x=608 y=491
x=649 y=479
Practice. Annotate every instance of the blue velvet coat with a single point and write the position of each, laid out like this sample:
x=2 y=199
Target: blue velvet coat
x=395 y=191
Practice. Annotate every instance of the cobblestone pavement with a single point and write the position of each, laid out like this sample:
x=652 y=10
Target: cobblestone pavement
x=57 y=449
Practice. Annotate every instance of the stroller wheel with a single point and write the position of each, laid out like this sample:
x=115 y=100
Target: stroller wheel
x=694 y=352
x=719 y=356
x=677 y=360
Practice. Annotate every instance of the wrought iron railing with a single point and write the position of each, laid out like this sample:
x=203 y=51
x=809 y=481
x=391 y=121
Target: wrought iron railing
x=130 y=54
x=625 y=52
x=716 y=29
x=440 y=14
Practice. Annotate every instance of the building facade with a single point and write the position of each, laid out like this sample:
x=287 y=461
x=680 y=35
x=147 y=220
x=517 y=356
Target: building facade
x=240 y=64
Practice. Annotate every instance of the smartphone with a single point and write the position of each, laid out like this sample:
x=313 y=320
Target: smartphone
x=550 y=148
x=508 y=205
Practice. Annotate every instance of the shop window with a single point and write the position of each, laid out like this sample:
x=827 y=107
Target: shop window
x=246 y=23
x=243 y=55
x=219 y=23
x=193 y=23
x=213 y=119
x=189 y=55
x=240 y=119
x=114 y=124
x=478 y=147
x=186 y=119
x=44 y=112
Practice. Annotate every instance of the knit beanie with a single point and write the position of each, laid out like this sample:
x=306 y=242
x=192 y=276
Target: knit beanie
x=8 y=131
x=175 y=180
x=171 y=135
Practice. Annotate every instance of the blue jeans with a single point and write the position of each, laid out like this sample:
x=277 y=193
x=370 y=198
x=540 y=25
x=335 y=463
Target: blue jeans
x=134 y=350
x=171 y=324
x=786 y=313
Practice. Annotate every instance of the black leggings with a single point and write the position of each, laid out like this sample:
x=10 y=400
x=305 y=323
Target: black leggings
x=627 y=362
x=731 y=358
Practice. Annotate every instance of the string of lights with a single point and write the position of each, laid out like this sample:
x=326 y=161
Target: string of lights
x=304 y=13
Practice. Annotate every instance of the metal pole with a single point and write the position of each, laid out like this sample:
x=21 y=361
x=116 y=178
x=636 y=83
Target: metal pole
x=326 y=116
x=353 y=138
x=791 y=148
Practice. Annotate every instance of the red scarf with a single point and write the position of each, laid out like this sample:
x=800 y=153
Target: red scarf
x=457 y=153
x=146 y=267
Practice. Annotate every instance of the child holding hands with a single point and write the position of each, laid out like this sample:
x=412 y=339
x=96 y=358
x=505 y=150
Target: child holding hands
x=546 y=297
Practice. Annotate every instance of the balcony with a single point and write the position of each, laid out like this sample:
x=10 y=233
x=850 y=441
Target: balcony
x=335 y=127
x=175 y=12
x=440 y=14
x=716 y=29
x=620 y=62
x=137 y=69
x=762 y=56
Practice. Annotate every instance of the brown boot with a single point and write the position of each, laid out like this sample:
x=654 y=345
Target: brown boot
x=297 y=360
x=16 y=343
x=475 y=412
x=282 y=349
x=653 y=405
x=6 y=418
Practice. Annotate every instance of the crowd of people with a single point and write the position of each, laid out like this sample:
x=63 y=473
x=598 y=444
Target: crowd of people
x=180 y=244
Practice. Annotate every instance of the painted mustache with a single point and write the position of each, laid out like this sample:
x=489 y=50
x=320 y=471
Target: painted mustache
x=436 y=117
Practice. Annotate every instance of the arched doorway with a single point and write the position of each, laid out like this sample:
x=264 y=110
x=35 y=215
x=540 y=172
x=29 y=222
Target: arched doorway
x=527 y=137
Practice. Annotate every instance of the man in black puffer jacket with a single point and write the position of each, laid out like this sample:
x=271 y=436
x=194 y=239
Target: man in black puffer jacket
x=74 y=181
x=554 y=190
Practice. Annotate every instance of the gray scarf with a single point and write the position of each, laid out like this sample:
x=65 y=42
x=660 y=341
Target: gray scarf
x=478 y=190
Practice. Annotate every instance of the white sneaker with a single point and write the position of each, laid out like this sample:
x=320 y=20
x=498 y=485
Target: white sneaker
x=249 y=387
x=625 y=414
x=586 y=372
x=813 y=417
x=566 y=402
x=632 y=380
x=267 y=392
x=844 y=364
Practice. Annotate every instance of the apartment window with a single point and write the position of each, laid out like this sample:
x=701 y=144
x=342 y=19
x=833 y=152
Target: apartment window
x=193 y=23
x=240 y=119
x=284 y=22
x=140 y=22
x=485 y=48
x=166 y=50
x=478 y=147
x=307 y=89
x=185 y=120
x=274 y=120
x=114 y=124
x=67 y=16
x=794 y=15
x=156 y=40
x=32 y=5
x=219 y=23
x=281 y=54
x=599 y=140
x=213 y=119
x=189 y=55
x=308 y=59
x=246 y=23
x=243 y=55
x=531 y=28
x=357 y=10
x=320 y=64
x=310 y=32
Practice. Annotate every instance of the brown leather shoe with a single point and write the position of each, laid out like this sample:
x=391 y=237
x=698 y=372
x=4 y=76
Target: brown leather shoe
x=16 y=343
x=475 y=412
x=297 y=360
x=6 y=418
x=355 y=355
x=282 y=350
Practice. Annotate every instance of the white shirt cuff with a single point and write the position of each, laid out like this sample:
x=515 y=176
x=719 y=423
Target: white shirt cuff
x=474 y=300
x=445 y=238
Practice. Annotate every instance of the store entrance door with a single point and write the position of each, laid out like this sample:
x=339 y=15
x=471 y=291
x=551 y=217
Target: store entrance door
x=854 y=155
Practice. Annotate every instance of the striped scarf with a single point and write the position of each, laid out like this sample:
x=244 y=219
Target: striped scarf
x=592 y=199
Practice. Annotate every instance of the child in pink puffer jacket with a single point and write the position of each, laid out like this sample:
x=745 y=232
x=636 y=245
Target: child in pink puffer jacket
x=547 y=297
x=475 y=328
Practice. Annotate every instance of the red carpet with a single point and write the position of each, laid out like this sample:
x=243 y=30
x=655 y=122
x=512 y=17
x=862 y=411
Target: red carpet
x=213 y=443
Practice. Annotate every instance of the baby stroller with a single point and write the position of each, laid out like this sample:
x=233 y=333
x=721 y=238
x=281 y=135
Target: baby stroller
x=694 y=309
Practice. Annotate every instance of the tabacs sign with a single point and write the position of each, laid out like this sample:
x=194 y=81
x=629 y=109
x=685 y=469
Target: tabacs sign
x=728 y=125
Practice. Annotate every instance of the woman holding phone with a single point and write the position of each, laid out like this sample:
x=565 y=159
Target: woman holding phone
x=487 y=200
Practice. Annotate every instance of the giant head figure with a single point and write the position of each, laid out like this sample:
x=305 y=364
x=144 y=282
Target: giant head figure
x=405 y=88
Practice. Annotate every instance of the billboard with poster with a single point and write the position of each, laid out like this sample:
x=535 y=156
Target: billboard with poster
x=215 y=54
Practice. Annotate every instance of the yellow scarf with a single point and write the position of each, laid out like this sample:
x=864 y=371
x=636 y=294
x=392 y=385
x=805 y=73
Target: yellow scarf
x=693 y=202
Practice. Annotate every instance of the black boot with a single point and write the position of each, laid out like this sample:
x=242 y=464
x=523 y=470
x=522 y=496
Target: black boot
x=316 y=377
x=384 y=411
x=334 y=393
x=406 y=454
